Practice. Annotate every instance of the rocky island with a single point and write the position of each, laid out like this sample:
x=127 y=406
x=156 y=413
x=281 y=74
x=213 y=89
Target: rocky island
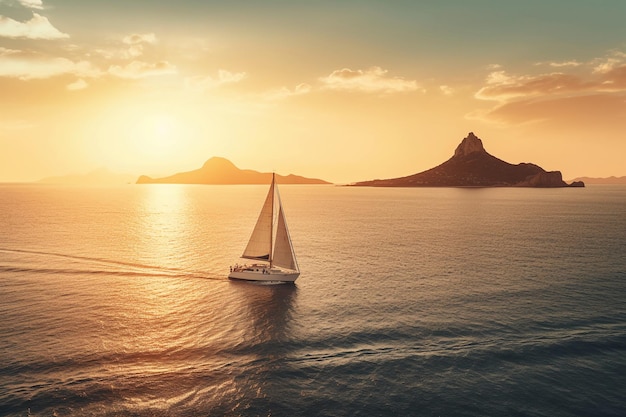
x=220 y=171
x=472 y=166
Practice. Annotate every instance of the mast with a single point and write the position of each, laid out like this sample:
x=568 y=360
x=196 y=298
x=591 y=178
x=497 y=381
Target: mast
x=272 y=227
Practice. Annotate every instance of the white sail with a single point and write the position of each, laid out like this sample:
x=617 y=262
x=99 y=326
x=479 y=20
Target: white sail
x=284 y=255
x=260 y=243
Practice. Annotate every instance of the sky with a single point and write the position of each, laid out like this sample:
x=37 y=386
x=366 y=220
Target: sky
x=340 y=90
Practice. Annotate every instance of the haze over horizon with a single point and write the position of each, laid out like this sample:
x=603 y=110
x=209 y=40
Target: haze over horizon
x=341 y=91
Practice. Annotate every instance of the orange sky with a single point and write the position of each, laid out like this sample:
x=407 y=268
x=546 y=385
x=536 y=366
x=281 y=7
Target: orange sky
x=344 y=91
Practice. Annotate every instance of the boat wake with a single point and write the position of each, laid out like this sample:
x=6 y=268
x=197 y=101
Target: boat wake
x=138 y=270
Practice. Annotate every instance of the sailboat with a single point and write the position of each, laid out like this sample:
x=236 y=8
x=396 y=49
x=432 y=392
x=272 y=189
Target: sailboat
x=270 y=244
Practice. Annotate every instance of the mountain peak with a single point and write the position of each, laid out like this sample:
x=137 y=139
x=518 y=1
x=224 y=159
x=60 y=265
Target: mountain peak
x=219 y=170
x=469 y=145
x=218 y=162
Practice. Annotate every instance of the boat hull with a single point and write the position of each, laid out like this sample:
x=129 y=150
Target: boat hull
x=260 y=273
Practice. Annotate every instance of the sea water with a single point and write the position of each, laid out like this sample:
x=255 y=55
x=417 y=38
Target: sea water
x=422 y=301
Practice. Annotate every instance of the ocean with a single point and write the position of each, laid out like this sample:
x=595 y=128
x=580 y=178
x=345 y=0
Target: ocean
x=411 y=302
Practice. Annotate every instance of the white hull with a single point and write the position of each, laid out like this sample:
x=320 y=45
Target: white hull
x=262 y=273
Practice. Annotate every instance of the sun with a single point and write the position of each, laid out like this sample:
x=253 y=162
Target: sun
x=145 y=138
x=156 y=135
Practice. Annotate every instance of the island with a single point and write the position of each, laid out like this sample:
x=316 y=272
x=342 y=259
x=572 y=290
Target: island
x=472 y=166
x=220 y=171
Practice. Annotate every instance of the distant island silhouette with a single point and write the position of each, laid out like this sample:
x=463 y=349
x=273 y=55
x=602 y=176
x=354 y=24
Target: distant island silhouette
x=220 y=171
x=100 y=176
x=602 y=180
x=472 y=166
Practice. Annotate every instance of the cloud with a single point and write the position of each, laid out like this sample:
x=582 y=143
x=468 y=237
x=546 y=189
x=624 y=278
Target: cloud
x=573 y=63
x=29 y=4
x=608 y=64
x=558 y=64
x=446 y=90
x=373 y=80
x=136 y=42
x=208 y=82
x=503 y=86
x=32 y=4
x=615 y=79
x=592 y=110
x=602 y=75
x=79 y=84
x=581 y=92
x=132 y=46
x=38 y=27
x=138 y=69
x=7 y=51
x=284 y=92
x=29 y=65
x=136 y=38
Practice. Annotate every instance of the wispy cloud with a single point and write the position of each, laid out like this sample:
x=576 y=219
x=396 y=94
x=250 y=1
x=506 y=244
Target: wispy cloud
x=29 y=65
x=139 y=69
x=136 y=42
x=130 y=46
x=606 y=74
x=446 y=90
x=593 y=88
x=591 y=111
x=31 y=4
x=136 y=38
x=38 y=27
x=609 y=64
x=503 y=86
x=372 y=80
x=203 y=83
x=561 y=64
x=284 y=92
x=79 y=84
x=565 y=64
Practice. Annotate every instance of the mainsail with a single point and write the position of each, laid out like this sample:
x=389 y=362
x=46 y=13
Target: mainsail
x=260 y=243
